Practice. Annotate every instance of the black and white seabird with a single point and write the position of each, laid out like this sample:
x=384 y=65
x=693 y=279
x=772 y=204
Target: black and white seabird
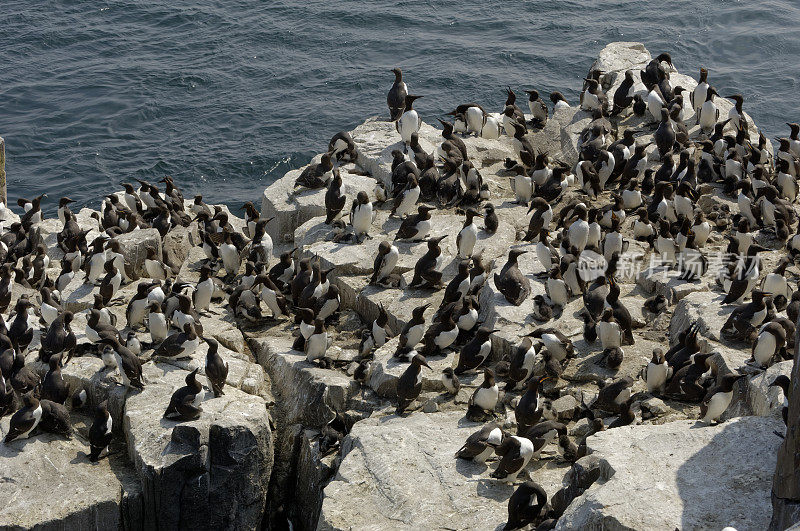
x=24 y=421
x=100 y=433
x=440 y=335
x=59 y=338
x=396 y=99
x=129 y=366
x=718 y=398
x=426 y=273
x=516 y=452
x=450 y=381
x=490 y=219
x=525 y=505
x=54 y=388
x=111 y=282
x=613 y=394
x=475 y=353
x=409 y=122
x=416 y=227
x=409 y=385
x=216 y=368
x=185 y=403
x=770 y=340
x=481 y=445
x=414 y=330
x=316 y=344
x=406 y=199
x=511 y=282
x=528 y=411
x=342 y=147
x=180 y=345
x=157 y=323
x=537 y=107
x=335 y=199
x=20 y=332
x=485 y=397
x=361 y=216
x=385 y=262
x=316 y=176
x=656 y=372
x=468 y=235
x=623 y=96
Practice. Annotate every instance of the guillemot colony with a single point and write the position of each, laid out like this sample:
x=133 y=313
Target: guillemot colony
x=309 y=429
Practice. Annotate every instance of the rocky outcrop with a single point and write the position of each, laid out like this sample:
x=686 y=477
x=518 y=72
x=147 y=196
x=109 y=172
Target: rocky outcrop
x=679 y=475
x=292 y=207
x=756 y=397
x=400 y=473
x=177 y=244
x=786 y=479
x=328 y=452
x=48 y=483
x=309 y=395
x=134 y=246
x=211 y=472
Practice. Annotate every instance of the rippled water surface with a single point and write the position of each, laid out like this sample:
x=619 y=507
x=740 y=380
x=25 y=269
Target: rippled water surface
x=227 y=95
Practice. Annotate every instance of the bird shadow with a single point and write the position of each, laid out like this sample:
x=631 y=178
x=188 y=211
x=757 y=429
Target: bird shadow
x=470 y=468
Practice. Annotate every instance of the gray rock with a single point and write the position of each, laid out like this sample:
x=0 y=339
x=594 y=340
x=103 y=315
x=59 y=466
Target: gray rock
x=102 y=495
x=88 y=373
x=584 y=472
x=79 y=295
x=430 y=407
x=756 y=397
x=223 y=328
x=570 y=135
x=357 y=295
x=564 y=407
x=659 y=280
x=385 y=460
x=177 y=244
x=308 y=394
x=134 y=245
x=376 y=139
x=211 y=472
x=243 y=374
x=358 y=259
x=616 y=58
x=694 y=483
x=580 y=428
x=313 y=471
x=548 y=140
x=386 y=370
x=587 y=364
x=293 y=208
x=704 y=307
x=786 y=478
x=50 y=227
x=655 y=406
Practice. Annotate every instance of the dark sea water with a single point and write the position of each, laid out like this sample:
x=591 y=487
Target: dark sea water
x=227 y=95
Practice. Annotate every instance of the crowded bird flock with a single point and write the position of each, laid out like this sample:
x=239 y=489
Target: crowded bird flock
x=698 y=192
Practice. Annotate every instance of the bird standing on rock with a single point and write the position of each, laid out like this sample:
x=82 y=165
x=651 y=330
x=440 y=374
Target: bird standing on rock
x=409 y=122
x=511 y=282
x=216 y=367
x=100 y=432
x=185 y=402
x=468 y=236
x=24 y=421
x=409 y=385
x=396 y=99
x=361 y=216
